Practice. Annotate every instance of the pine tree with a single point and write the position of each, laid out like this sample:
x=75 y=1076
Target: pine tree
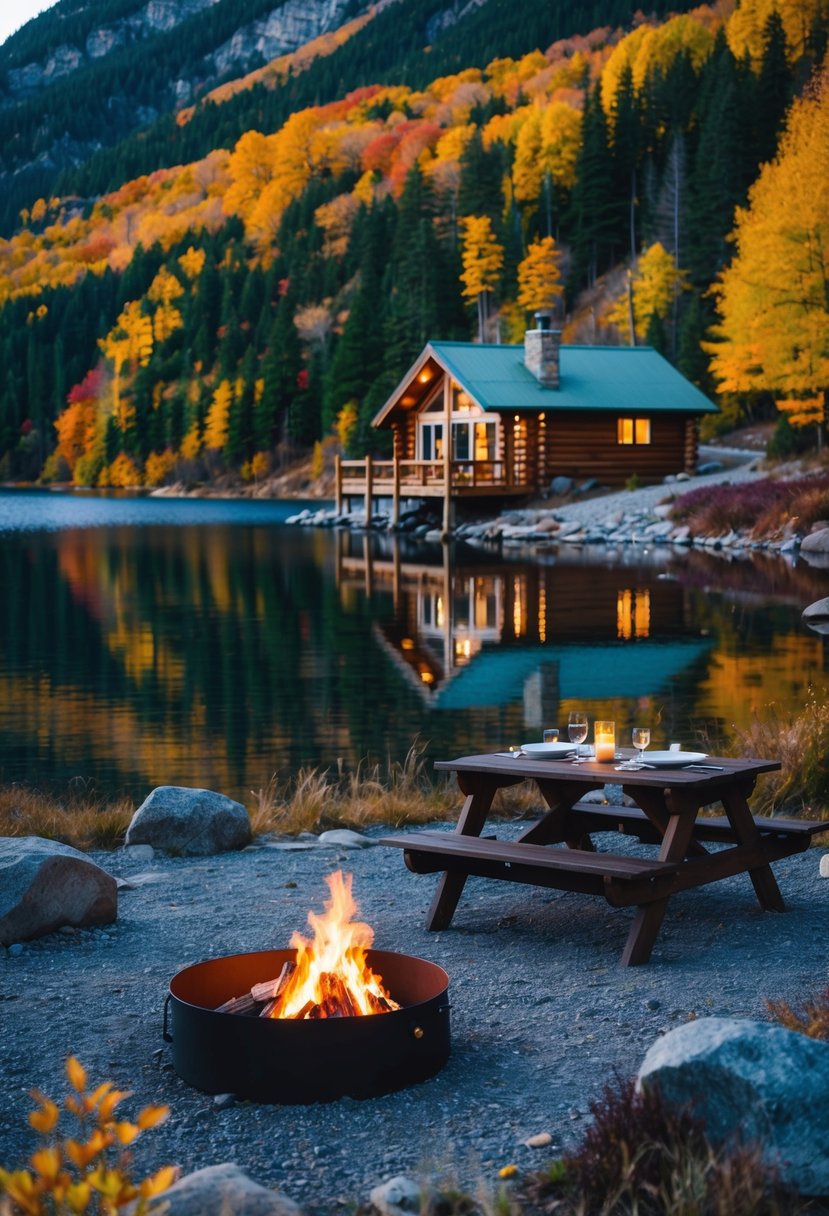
x=774 y=88
x=595 y=210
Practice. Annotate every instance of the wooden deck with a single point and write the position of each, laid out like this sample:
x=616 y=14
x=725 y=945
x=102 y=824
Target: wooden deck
x=398 y=479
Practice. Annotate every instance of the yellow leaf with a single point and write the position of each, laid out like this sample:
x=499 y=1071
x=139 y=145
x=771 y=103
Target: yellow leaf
x=107 y=1182
x=508 y=1171
x=78 y=1196
x=45 y=1119
x=158 y=1182
x=151 y=1116
x=98 y=1094
x=82 y=1154
x=76 y=1073
x=46 y=1162
x=109 y=1103
x=126 y=1132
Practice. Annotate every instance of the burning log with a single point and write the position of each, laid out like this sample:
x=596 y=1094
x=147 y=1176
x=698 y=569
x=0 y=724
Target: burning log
x=330 y=976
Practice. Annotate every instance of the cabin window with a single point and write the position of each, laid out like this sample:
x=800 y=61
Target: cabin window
x=633 y=430
x=473 y=440
x=431 y=441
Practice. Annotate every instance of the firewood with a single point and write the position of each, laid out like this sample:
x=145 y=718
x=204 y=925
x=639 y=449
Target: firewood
x=305 y=1011
x=269 y=990
x=238 y=1004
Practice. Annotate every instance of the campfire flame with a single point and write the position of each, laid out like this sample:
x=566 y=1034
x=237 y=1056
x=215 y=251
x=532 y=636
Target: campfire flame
x=332 y=977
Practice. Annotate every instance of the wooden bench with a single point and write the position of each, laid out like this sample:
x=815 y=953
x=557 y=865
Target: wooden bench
x=588 y=817
x=621 y=879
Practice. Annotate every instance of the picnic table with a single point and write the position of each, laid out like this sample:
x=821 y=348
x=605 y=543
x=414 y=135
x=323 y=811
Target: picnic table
x=668 y=802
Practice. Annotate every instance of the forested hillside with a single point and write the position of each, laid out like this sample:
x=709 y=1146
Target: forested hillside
x=267 y=293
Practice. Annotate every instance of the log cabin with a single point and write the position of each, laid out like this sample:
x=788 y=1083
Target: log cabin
x=521 y=415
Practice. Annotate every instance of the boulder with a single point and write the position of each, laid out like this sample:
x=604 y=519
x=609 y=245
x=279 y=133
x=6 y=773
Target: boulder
x=816 y=616
x=218 y=1190
x=45 y=885
x=345 y=838
x=191 y=822
x=399 y=1196
x=765 y=1084
x=816 y=542
x=561 y=485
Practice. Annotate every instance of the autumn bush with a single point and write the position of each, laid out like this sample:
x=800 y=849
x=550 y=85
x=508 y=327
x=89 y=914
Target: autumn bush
x=90 y=1171
x=159 y=468
x=811 y=1019
x=760 y=508
x=801 y=744
x=641 y=1156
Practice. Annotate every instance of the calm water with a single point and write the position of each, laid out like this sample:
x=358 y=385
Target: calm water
x=150 y=641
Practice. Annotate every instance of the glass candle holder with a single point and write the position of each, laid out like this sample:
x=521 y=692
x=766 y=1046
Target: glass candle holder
x=604 y=734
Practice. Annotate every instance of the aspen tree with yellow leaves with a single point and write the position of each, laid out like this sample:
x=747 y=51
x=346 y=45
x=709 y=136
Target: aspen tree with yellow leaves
x=772 y=300
x=539 y=276
x=483 y=260
x=654 y=284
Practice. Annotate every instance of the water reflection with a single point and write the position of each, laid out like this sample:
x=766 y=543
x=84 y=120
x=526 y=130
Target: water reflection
x=221 y=648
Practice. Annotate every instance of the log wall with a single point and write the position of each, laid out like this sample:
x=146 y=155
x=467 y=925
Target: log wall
x=582 y=445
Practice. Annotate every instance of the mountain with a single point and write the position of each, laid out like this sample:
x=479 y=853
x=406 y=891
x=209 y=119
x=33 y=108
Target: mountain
x=339 y=205
x=81 y=77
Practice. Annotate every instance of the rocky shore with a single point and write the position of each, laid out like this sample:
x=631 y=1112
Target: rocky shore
x=585 y=514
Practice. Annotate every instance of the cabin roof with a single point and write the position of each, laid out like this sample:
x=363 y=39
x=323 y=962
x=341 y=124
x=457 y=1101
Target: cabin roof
x=595 y=671
x=617 y=379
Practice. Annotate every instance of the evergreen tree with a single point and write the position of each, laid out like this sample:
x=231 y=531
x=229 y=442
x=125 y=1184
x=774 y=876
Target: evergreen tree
x=595 y=210
x=774 y=89
x=481 y=185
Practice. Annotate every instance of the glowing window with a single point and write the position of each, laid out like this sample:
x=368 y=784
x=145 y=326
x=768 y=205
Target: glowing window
x=633 y=430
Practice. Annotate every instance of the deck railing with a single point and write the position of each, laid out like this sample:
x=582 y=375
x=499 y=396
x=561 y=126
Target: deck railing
x=370 y=478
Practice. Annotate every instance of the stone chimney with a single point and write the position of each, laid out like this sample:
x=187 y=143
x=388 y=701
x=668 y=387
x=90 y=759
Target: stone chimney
x=541 y=350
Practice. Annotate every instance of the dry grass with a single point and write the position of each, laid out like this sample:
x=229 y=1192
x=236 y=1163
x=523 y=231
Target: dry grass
x=802 y=746
x=402 y=793
x=811 y=1019
x=643 y=1157
x=310 y=801
x=82 y=819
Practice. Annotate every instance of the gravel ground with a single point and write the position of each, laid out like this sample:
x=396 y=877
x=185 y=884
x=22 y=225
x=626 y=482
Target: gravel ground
x=542 y=1013
x=742 y=466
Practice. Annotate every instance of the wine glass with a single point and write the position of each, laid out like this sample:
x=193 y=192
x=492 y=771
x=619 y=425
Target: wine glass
x=641 y=738
x=577 y=730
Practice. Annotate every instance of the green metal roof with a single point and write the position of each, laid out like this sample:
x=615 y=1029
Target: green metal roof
x=628 y=379
x=647 y=667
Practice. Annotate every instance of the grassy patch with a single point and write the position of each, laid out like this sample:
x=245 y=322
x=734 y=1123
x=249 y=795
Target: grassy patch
x=82 y=819
x=402 y=793
x=802 y=746
x=311 y=800
x=761 y=508
x=811 y=1019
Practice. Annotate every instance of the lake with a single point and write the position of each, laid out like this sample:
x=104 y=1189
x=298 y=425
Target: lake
x=148 y=641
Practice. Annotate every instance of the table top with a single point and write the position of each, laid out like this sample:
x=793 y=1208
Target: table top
x=594 y=772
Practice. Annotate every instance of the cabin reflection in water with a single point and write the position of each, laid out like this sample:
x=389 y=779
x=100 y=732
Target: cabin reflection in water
x=475 y=628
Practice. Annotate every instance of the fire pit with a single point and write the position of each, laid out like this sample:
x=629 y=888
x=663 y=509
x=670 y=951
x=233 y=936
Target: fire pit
x=288 y=1026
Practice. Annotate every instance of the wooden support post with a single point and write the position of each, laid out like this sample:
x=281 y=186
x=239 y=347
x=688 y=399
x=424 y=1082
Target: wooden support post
x=447 y=455
x=368 y=498
x=395 y=492
x=338 y=484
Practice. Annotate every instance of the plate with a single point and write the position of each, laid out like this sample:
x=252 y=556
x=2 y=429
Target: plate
x=548 y=751
x=673 y=759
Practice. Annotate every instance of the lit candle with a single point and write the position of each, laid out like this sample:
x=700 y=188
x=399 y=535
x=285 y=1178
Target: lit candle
x=605 y=738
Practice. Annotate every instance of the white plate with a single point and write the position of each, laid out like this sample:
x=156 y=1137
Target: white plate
x=548 y=751
x=673 y=759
